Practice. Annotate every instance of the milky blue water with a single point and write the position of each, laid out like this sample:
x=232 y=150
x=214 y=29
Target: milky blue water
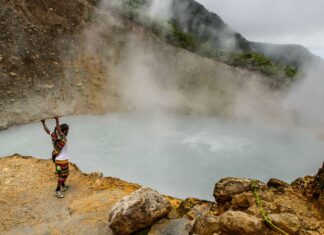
x=177 y=155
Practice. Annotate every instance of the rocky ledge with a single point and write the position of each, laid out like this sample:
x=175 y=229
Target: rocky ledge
x=102 y=205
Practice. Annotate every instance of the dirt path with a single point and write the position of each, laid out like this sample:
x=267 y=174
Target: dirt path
x=28 y=204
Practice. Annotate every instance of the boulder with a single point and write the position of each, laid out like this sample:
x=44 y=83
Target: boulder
x=278 y=184
x=226 y=188
x=316 y=188
x=308 y=223
x=198 y=210
x=189 y=203
x=240 y=223
x=206 y=225
x=230 y=222
x=302 y=183
x=181 y=226
x=193 y=207
x=243 y=200
x=319 y=178
x=96 y=174
x=137 y=211
x=289 y=223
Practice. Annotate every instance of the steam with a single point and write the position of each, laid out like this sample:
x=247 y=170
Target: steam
x=305 y=100
x=160 y=11
x=150 y=75
x=145 y=83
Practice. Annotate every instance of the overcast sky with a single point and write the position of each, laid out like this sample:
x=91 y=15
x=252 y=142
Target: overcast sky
x=275 y=21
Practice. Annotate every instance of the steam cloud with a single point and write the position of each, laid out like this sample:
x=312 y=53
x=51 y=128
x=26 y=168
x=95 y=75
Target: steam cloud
x=150 y=77
x=304 y=101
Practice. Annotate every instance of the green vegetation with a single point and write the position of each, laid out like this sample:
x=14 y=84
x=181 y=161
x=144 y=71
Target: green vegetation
x=179 y=38
x=259 y=62
x=252 y=60
x=290 y=71
x=203 y=44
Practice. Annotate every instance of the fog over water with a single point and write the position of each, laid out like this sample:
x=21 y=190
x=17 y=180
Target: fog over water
x=176 y=154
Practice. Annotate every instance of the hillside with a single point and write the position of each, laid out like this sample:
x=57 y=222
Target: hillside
x=79 y=58
x=208 y=27
x=90 y=57
x=191 y=26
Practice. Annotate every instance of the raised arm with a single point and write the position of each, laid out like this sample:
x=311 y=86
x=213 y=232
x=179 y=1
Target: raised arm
x=45 y=127
x=58 y=127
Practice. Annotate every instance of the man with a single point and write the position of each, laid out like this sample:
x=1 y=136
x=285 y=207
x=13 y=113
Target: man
x=59 y=155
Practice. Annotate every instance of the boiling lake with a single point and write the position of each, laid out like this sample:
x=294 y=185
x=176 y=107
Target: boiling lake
x=178 y=155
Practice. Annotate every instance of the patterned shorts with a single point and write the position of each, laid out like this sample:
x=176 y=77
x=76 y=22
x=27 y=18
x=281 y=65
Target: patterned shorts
x=64 y=173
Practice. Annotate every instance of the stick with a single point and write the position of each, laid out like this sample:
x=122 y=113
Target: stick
x=52 y=117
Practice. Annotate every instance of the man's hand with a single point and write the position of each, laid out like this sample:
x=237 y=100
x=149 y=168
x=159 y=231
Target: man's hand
x=45 y=127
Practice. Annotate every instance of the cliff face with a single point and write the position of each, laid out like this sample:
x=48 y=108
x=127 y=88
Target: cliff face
x=92 y=205
x=78 y=57
x=35 y=40
x=82 y=57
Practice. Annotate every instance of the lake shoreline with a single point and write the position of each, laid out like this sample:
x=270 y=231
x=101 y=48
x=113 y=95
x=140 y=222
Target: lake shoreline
x=92 y=197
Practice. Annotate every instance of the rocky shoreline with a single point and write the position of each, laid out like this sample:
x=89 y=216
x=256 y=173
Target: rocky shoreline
x=105 y=205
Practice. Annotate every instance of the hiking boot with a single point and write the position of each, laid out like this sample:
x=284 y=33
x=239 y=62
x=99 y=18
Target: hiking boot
x=58 y=194
x=64 y=188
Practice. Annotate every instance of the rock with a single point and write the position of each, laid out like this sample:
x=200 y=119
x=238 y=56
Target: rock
x=230 y=222
x=243 y=200
x=206 y=225
x=310 y=223
x=240 y=223
x=275 y=183
x=226 y=188
x=181 y=226
x=137 y=211
x=290 y=223
x=254 y=210
x=189 y=203
x=308 y=232
x=316 y=188
x=313 y=186
x=3 y=124
x=13 y=74
x=199 y=210
x=285 y=209
x=96 y=174
x=266 y=195
x=302 y=183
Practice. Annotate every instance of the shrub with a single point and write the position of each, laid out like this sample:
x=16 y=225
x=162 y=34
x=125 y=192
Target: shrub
x=181 y=39
x=290 y=71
